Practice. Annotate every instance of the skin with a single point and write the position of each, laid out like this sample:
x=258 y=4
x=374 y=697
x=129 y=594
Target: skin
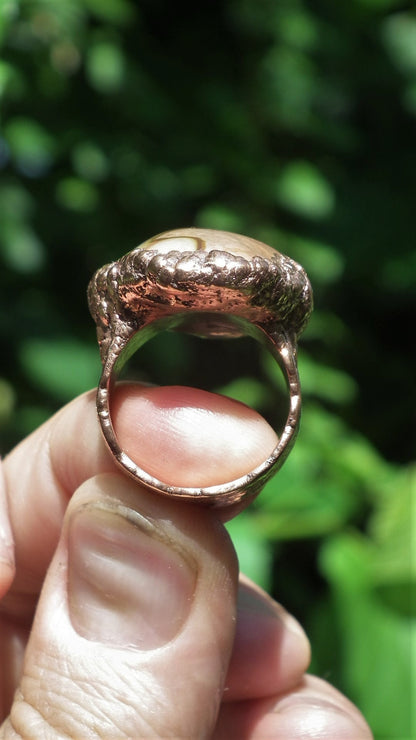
x=122 y=613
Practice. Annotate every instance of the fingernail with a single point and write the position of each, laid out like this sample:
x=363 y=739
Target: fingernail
x=322 y=718
x=128 y=583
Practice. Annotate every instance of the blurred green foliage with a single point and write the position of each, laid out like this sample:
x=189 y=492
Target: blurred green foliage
x=293 y=122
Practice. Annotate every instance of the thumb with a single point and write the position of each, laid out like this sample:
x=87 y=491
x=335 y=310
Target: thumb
x=135 y=623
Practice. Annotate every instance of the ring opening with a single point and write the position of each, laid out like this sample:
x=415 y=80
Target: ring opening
x=238 y=366
x=217 y=327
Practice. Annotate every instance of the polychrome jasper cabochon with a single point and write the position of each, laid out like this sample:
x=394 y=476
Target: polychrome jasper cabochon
x=189 y=272
x=206 y=240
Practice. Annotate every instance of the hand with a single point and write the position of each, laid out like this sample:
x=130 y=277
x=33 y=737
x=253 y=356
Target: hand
x=141 y=628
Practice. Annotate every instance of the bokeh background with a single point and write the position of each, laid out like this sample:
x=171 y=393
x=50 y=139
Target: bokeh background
x=294 y=122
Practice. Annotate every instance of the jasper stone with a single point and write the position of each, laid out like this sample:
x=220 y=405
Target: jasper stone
x=205 y=280
x=207 y=240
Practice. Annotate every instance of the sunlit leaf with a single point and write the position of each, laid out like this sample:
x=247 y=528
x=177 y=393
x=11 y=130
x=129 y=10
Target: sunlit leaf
x=105 y=66
x=9 y=10
x=246 y=390
x=302 y=188
x=31 y=146
x=77 y=195
x=323 y=263
x=376 y=642
x=324 y=382
x=321 y=381
x=253 y=550
x=218 y=216
x=306 y=498
x=393 y=525
x=399 y=34
x=327 y=327
x=114 y=11
x=62 y=367
x=329 y=477
x=47 y=20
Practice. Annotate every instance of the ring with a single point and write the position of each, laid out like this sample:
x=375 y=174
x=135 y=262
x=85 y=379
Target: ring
x=212 y=284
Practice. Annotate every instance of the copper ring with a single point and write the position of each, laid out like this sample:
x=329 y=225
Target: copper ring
x=209 y=283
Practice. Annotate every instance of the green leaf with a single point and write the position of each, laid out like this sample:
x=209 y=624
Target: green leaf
x=9 y=10
x=393 y=525
x=114 y=11
x=246 y=390
x=323 y=263
x=306 y=498
x=253 y=550
x=399 y=35
x=318 y=380
x=105 y=66
x=325 y=382
x=31 y=146
x=77 y=195
x=290 y=508
x=218 y=216
x=62 y=367
x=327 y=327
x=303 y=189
x=330 y=476
x=375 y=642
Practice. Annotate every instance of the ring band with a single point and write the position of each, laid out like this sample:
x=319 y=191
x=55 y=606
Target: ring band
x=213 y=284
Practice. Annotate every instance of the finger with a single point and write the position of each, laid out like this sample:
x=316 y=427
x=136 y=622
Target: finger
x=7 y=564
x=44 y=470
x=225 y=437
x=314 y=709
x=271 y=651
x=13 y=640
x=135 y=623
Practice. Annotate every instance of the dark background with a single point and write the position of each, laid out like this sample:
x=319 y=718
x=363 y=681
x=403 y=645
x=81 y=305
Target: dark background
x=294 y=123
